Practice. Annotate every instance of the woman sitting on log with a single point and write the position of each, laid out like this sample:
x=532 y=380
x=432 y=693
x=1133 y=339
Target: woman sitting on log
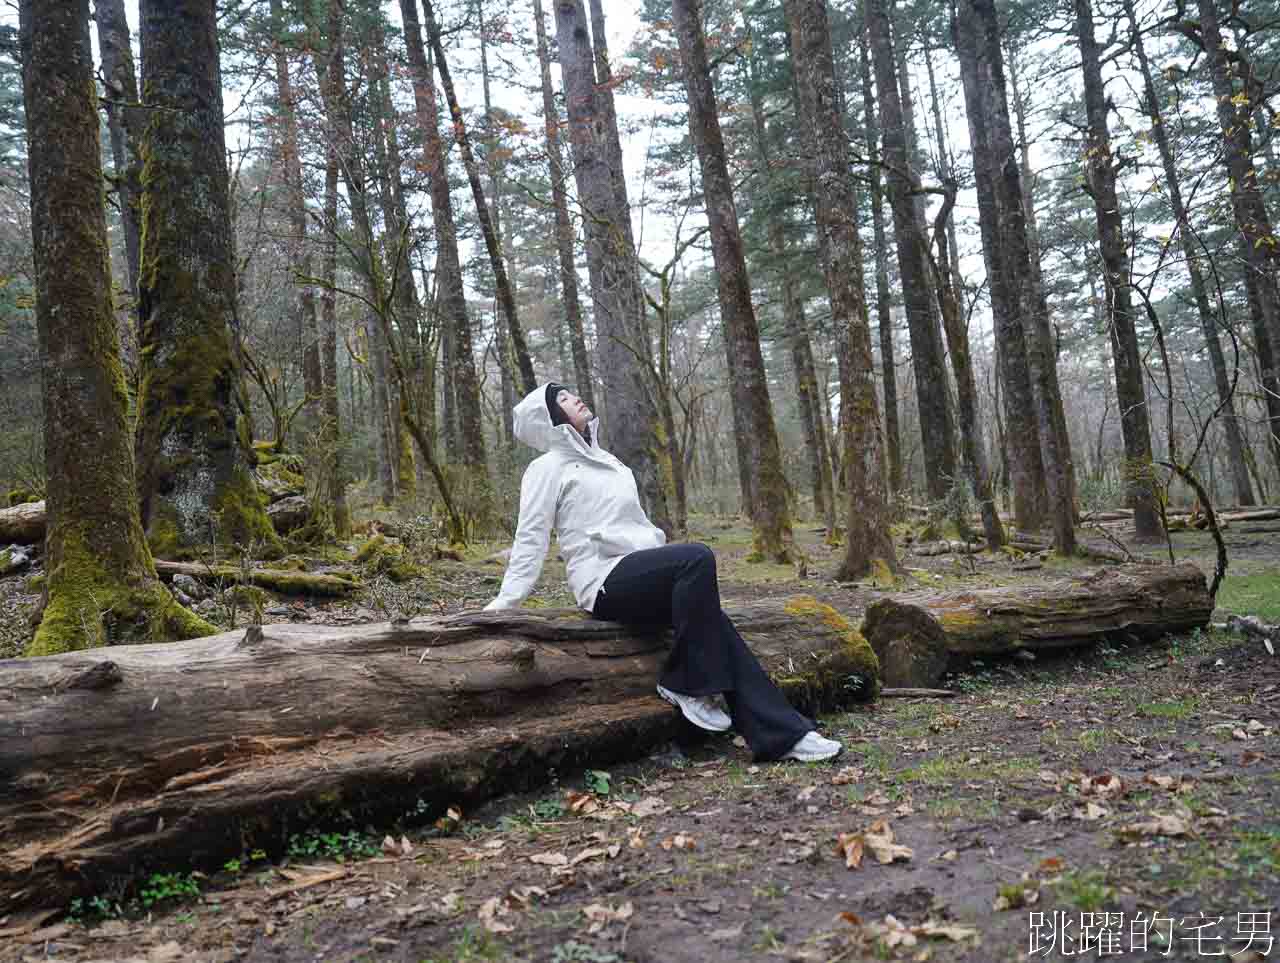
x=620 y=569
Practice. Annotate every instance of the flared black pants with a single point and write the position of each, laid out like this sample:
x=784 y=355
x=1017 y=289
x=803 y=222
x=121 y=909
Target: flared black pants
x=676 y=585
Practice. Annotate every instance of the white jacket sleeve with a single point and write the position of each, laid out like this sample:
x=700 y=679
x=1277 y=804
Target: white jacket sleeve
x=539 y=491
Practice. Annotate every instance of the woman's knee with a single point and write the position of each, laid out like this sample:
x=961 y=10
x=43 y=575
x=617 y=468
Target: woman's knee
x=702 y=555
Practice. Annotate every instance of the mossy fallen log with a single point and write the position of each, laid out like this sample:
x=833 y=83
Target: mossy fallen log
x=275 y=579
x=138 y=759
x=917 y=637
x=22 y=524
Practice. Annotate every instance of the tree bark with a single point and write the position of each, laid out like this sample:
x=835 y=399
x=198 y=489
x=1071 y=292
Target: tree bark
x=917 y=637
x=1100 y=174
x=102 y=586
x=462 y=387
x=884 y=310
x=125 y=125
x=564 y=227
x=170 y=755
x=868 y=543
x=1257 y=238
x=936 y=425
x=1037 y=458
x=194 y=457
x=492 y=242
x=1208 y=318
x=748 y=382
x=634 y=431
x=331 y=495
x=23 y=524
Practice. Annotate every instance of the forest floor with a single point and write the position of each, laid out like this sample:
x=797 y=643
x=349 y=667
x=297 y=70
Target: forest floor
x=1112 y=801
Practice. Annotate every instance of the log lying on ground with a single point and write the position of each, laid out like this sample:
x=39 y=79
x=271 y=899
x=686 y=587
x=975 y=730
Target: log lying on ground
x=130 y=760
x=918 y=637
x=22 y=524
x=279 y=580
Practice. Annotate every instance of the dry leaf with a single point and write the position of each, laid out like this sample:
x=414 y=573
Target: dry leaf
x=490 y=911
x=947 y=931
x=851 y=918
x=805 y=794
x=1016 y=897
x=581 y=803
x=451 y=900
x=950 y=856
x=1106 y=785
x=406 y=847
x=1239 y=734
x=1160 y=782
x=679 y=841
x=1250 y=757
x=635 y=837
x=879 y=839
x=1092 y=811
x=726 y=934
x=1159 y=826
x=602 y=915
x=389 y=846
x=524 y=895
x=846 y=775
x=549 y=859
x=1051 y=864
x=850 y=846
x=1045 y=775
x=649 y=806
x=586 y=854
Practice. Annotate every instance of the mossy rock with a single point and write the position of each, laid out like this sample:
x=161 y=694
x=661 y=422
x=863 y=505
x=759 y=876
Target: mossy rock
x=850 y=673
x=34 y=585
x=378 y=556
x=22 y=496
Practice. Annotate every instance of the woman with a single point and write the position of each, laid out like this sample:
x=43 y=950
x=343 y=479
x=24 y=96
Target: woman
x=620 y=568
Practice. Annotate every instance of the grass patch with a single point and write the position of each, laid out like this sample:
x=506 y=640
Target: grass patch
x=1251 y=595
x=1091 y=740
x=1087 y=890
x=1174 y=709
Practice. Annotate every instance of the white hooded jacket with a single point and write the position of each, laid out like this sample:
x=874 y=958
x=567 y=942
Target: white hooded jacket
x=582 y=492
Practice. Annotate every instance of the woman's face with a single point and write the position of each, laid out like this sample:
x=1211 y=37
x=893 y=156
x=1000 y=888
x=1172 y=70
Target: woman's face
x=575 y=409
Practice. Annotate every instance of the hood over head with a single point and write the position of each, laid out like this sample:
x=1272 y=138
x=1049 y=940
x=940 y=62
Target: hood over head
x=533 y=425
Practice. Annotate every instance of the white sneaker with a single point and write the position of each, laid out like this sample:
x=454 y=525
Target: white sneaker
x=814 y=748
x=699 y=710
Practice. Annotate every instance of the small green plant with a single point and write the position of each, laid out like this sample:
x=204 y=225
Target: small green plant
x=1086 y=890
x=547 y=809
x=169 y=888
x=336 y=846
x=93 y=910
x=598 y=781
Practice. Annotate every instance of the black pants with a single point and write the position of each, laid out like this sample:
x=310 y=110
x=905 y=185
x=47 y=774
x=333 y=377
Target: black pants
x=676 y=585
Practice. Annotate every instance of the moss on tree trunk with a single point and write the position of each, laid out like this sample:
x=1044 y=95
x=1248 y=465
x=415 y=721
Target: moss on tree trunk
x=194 y=462
x=102 y=586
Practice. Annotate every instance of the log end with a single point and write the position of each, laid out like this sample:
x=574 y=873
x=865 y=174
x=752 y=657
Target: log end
x=846 y=673
x=909 y=643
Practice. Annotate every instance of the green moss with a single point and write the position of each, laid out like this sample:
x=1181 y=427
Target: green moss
x=91 y=606
x=243 y=518
x=371 y=549
x=882 y=575
x=35 y=584
x=850 y=673
x=379 y=557
x=22 y=496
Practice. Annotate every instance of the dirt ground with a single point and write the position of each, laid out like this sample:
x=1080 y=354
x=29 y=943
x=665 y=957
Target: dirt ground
x=1119 y=801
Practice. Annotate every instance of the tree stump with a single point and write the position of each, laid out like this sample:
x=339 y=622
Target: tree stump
x=917 y=637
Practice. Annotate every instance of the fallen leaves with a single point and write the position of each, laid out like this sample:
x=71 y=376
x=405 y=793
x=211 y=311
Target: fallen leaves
x=678 y=841
x=892 y=933
x=601 y=915
x=1160 y=825
x=877 y=839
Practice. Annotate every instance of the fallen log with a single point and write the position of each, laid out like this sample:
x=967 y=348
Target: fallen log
x=22 y=524
x=917 y=637
x=130 y=760
x=279 y=580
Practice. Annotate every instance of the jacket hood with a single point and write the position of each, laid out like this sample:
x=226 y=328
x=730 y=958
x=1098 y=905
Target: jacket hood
x=532 y=423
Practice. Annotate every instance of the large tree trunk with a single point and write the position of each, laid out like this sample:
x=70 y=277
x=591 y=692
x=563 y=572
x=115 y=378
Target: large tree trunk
x=564 y=227
x=180 y=755
x=1257 y=239
x=194 y=461
x=102 y=586
x=936 y=425
x=1038 y=459
x=868 y=542
x=748 y=383
x=462 y=386
x=918 y=637
x=634 y=429
x=1100 y=174
x=1208 y=317
x=884 y=311
x=331 y=491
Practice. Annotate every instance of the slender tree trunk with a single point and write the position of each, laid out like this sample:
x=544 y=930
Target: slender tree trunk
x=462 y=386
x=493 y=244
x=1035 y=456
x=868 y=542
x=124 y=124
x=625 y=364
x=102 y=587
x=335 y=480
x=564 y=228
x=945 y=174
x=749 y=385
x=194 y=455
x=1042 y=318
x=936 y=425
x=884 y=311
x=1199 y=292
x=1100 y=173
x=1258 y=242
x=953 y=324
